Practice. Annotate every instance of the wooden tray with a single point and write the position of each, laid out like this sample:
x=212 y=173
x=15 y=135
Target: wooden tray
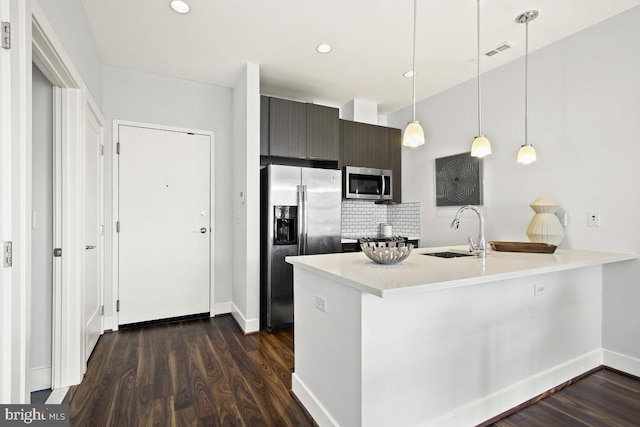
x=533 y=247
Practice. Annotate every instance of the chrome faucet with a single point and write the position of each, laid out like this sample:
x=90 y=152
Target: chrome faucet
x=479 y=249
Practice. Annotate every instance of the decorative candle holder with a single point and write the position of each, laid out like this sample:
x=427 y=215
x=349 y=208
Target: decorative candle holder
x=545 y=226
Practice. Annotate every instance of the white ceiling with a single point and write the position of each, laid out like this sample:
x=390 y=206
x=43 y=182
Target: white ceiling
x=371 y=41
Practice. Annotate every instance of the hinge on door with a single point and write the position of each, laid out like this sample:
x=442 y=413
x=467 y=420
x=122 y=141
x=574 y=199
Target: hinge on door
x=101 y=150
x=102 y=310
x=117 y=226
x=118 y=305
x=57 y=252
x=7 y=254
x=6 y=35
x=118 y=148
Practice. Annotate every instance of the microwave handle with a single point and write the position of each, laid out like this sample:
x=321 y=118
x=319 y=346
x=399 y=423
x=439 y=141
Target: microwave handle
x=384 y=184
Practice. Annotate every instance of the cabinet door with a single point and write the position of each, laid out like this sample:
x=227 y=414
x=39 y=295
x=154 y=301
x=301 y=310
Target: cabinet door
x=365 y=145
x=379 y=147
x=323 y=132
x=264 y=125
x=395 y=162
x=287 y=128
x=355 y=144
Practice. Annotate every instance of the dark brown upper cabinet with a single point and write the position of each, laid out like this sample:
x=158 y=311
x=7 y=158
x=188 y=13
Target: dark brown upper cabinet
x=264 y=125
x=287 y=128
x=395 y=162
x=364 y=145
x=299 y=130
x=323 y=132
x=372 y=146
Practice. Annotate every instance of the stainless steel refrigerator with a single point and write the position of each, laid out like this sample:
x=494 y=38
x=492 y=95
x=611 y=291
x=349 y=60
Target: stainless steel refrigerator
x=301 y=215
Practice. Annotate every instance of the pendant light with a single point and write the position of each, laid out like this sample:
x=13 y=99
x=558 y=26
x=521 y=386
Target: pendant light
x=526 y=154
x=481 y=146
x=413 y=133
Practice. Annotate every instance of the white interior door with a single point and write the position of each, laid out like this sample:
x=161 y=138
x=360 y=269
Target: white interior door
x=164 y=216
x=92 y=267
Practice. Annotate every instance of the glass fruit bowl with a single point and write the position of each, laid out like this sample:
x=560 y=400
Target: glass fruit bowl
x=386 y=252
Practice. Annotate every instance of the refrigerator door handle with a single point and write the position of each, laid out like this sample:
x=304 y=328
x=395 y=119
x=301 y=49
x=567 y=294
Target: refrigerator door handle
x=300 y=219
x=305 y=218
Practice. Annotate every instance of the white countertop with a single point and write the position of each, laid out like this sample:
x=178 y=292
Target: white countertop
x=422 y=273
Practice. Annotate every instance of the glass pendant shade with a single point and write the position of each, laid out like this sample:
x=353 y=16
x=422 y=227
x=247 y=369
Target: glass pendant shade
x=481 y=146
x=413 y=135
x=526 y=154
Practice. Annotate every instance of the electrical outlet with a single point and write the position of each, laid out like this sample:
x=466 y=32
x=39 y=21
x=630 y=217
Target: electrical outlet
x=593 y=219
x=321 y=303
x=538 y=289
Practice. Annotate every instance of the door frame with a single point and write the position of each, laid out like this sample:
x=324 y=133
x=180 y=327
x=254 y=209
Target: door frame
x=116 y=216
x=15 y=140
x=35 y=41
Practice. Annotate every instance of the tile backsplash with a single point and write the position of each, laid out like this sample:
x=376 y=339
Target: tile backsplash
x=361 y=218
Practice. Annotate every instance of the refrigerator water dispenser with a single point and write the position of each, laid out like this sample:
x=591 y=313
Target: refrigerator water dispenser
x=285 y=228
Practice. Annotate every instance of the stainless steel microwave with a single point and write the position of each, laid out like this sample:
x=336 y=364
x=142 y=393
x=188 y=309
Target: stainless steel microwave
x=367 y=183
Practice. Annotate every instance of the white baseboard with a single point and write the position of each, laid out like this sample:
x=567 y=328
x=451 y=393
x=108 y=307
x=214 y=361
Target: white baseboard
x=510 y=397
x=621 y=362
x=221 y=308
x=40 y=378
x=111 y=322
x=248 y=326
x=310 y=403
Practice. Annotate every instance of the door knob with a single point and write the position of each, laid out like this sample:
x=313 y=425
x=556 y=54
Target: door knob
x=90 y=247
x=203 y=230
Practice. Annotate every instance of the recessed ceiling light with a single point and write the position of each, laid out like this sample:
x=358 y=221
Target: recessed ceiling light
x=180 y=6
x=408 y=74
x=324 y=48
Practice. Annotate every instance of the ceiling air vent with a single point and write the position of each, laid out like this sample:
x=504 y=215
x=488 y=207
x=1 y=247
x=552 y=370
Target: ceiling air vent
x=500 y=48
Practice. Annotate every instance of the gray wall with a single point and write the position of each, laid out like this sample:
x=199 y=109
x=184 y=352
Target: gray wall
x=42 y=231
x=69 y=21
x=583 y=122
x=153 y=99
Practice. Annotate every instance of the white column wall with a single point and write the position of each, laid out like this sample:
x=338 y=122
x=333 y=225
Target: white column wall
x=246 y=200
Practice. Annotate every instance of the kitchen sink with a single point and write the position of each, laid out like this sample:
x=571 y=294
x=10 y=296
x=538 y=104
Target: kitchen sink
x=448 y=254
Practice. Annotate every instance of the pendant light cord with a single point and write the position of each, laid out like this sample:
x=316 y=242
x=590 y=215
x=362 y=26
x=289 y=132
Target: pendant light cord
x=526 y=84
x=413 y=78
x=478 y=65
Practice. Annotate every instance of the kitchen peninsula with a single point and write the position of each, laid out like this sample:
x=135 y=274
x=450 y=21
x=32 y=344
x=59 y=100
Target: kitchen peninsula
x=442 y=341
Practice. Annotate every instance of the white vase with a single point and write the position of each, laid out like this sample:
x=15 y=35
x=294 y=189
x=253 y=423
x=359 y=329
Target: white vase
x=545 y=226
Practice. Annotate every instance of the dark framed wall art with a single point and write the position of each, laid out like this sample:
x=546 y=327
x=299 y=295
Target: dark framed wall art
x=458 y=180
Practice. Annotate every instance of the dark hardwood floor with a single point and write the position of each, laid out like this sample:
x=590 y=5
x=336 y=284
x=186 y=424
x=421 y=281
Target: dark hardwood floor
x=604 y=398
x=206 y=373
x=195 y=373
